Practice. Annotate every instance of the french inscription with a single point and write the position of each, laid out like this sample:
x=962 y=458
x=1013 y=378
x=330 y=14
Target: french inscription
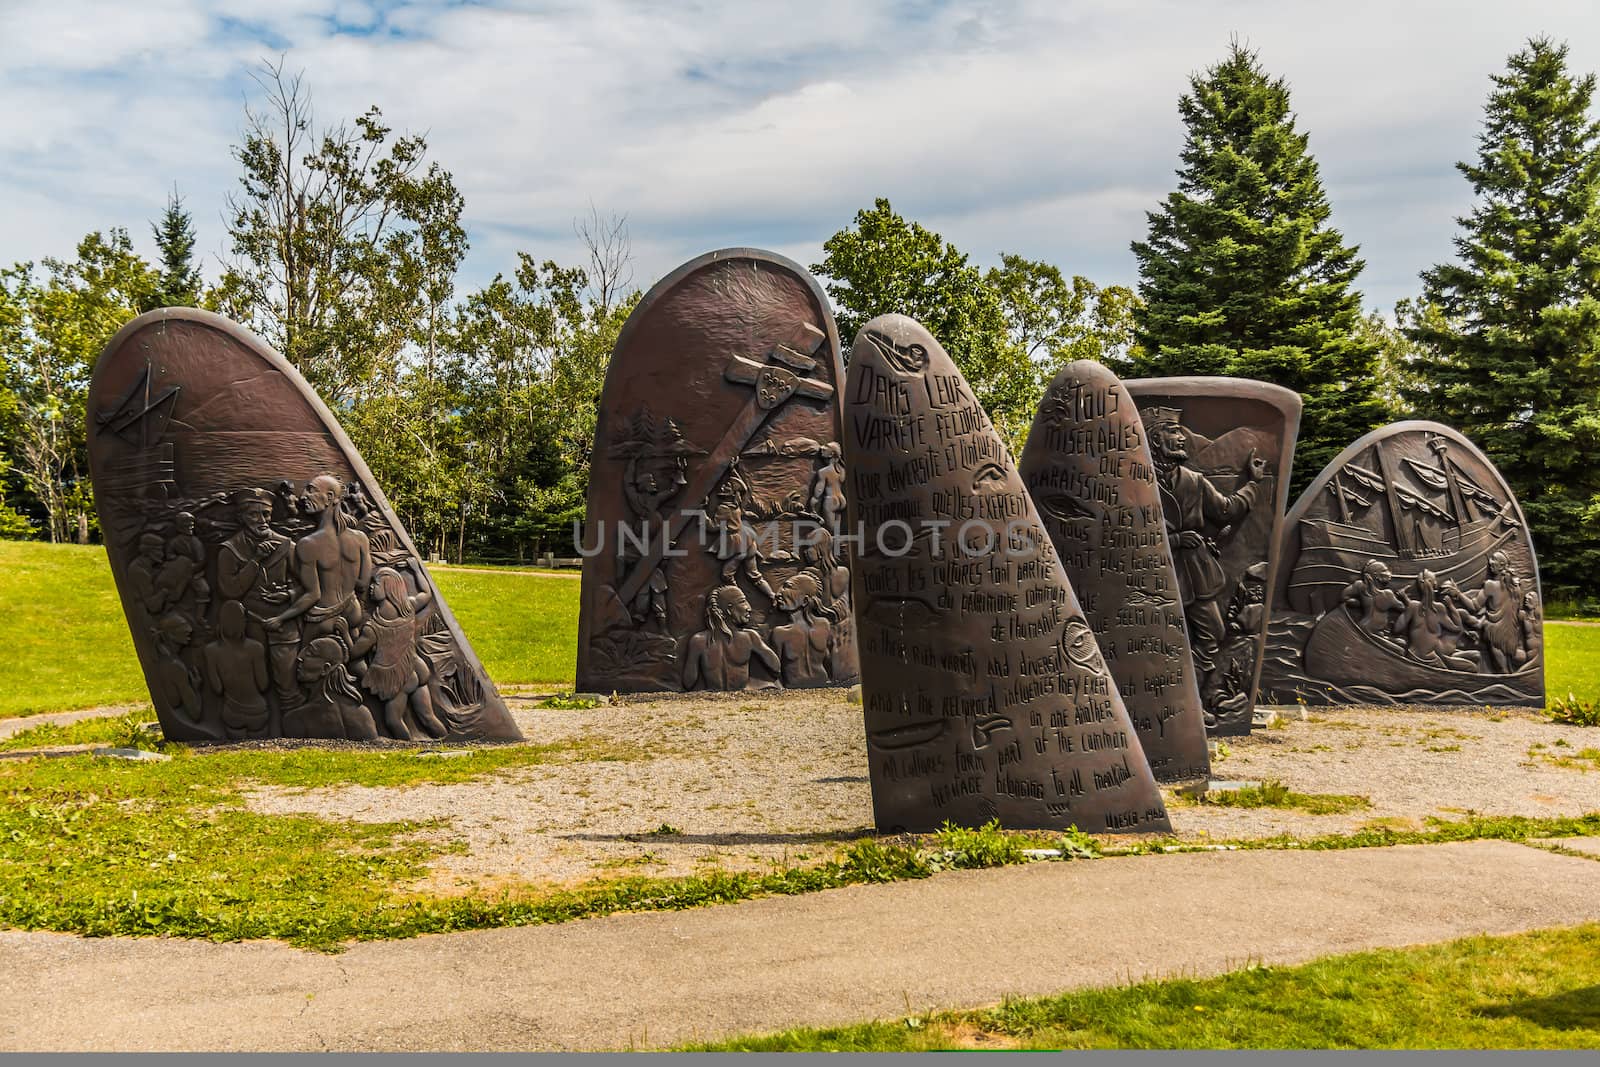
x=1087 y=466
x=985 y=694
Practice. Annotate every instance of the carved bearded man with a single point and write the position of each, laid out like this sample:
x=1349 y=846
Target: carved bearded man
x=1192 y=505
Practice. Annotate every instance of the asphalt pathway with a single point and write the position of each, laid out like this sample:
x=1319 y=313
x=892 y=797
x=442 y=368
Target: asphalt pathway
x=960 y=939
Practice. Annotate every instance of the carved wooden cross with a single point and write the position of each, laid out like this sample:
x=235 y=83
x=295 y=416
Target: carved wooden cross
x=775 y=381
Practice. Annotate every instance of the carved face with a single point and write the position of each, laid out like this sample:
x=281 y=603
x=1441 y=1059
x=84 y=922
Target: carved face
x=320 y=493
x=738 y=608
x=253 y=517
x=1378 y=573
x=1171 y=442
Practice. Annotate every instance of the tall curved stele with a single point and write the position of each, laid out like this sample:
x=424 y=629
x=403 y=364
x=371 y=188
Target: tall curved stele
x=715 y=482
x=269 y=587
x=984 y=693
x=1223 y=520
x=1354 y=619
x=1087 y=466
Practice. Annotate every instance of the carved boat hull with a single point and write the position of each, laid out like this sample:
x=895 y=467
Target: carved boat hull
x=1343 y=654
x=1333 y=554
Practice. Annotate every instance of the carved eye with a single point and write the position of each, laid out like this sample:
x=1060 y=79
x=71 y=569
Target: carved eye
x=988 y=475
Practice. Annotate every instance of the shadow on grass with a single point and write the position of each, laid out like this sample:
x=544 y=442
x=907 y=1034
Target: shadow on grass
x=1576 y=1009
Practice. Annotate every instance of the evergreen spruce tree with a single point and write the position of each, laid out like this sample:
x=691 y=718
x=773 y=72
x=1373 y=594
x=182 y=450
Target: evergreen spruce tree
x=180 y=278
x=1243 y=276
x=1513 y=360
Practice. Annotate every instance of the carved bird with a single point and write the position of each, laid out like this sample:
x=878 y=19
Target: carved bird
x=907 y=359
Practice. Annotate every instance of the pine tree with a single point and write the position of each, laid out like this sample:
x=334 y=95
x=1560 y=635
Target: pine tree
x=180 y=279
x=1242 y=275
x=1512 y=358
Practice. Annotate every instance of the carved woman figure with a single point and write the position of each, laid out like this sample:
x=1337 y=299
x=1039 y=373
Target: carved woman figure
x=833 y=584
x=236 y=670
x=827 y=486
x=335 y=707
x=1372 y=600
x=395 y=673
x=1497 y=603
x=718 y=657
x=1429 y=626
x=1532 y=631
x=176 y=687
x=802 y=644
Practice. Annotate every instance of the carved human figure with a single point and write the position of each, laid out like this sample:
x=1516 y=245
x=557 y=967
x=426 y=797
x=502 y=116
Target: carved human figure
x=335 y=700
x=1193 y=505
x=1372 y=600
x=827 y=486
x=1496 y=606
x=803 y=643
x=236 y=670
x=331 y=563
x=174 y=680
x=737 y=545
x=396 y=674
x=1430 y=628
x=1531 y=629
x=183 y=573
x=645 y=494
x=833 y=584
x=145 y=573
x=255 y=567
x=719 y=656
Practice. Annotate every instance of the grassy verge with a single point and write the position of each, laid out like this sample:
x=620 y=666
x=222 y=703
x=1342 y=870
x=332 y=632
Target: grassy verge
x=1275 y=794
x=67 y=643
x=98 y=846
x=1538 y=990
x=124 y=730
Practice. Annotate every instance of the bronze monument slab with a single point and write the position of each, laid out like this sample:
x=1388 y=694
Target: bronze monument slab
x=984 y=693
x=270 y=589
x=1088 y=468
x=1408 y=577
x=1223 y=450
x=716 y=489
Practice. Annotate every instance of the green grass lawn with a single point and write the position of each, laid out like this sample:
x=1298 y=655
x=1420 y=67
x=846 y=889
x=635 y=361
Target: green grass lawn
x=67 y=643
x=1572 y=661
x=1538 y=990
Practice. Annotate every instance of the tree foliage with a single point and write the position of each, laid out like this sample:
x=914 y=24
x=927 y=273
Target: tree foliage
x=1511 y=353
x=342 y=239
x=1008 y=328
x=179 y=283
x=53 y=324
x=1243 y=275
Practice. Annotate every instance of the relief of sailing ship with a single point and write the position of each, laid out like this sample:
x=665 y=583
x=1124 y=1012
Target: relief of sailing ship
x=1453 y=539
x=1413 y=579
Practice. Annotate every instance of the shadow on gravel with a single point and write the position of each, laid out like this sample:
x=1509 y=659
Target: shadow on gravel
x=731 y=839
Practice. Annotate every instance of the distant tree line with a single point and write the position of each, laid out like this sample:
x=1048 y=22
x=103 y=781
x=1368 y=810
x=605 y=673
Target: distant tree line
x=476 y=410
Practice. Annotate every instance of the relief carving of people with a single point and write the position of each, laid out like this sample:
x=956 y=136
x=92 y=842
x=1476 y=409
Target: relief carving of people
x=719 y=656
x=1196 y=511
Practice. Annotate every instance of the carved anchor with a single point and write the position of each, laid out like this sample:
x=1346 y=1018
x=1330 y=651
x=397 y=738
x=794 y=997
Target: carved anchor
x=776 y=382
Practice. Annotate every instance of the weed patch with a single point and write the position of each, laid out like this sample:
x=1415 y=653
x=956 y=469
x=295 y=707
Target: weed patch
x=1275 y=794
x=1571 y=710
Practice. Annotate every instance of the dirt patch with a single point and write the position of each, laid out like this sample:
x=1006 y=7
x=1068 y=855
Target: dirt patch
x=736 y=781
x=744 y=781
x=1409 y=764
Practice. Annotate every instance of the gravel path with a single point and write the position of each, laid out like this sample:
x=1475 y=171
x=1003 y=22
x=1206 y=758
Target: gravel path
x=749 y=780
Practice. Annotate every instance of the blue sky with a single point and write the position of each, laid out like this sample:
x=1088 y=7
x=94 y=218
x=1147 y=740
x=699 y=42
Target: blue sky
x=1043 y=128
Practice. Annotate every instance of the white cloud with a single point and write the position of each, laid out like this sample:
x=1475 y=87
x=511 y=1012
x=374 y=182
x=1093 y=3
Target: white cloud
x=1040 y=127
